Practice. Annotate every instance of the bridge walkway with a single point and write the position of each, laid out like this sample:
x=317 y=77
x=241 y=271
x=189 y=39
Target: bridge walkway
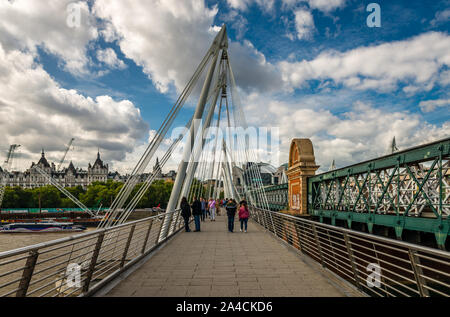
x=217 y=263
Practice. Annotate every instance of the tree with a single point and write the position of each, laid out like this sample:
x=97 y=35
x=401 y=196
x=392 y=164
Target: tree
x=49 y=197
x=96 y=193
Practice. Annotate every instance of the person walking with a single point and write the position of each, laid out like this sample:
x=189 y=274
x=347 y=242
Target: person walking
x=197 y=212
x=185 y=213
x=203 y=201
x=231 y=212
x=212 y=209
x=243 y=215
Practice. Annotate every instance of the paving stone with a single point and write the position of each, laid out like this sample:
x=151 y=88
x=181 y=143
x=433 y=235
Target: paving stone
x=216 y=263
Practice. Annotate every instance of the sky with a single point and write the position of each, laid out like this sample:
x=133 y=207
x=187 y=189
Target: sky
x=312 y=68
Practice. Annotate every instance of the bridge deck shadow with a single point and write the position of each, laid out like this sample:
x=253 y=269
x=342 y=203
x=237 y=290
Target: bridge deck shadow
x=217 y=263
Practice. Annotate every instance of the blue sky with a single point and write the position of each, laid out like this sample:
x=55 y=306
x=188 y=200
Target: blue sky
x=314 y=67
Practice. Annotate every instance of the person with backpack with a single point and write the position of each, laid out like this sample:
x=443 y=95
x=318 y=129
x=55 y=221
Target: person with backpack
x=231 y=212
x=197 y=212
x=243 y=215
x=185 y=213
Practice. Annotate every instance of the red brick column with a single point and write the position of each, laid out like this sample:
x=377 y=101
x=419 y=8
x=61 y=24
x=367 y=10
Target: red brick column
x=302 y=164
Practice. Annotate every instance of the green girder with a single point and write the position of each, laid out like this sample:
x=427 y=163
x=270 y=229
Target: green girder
x=386 y=190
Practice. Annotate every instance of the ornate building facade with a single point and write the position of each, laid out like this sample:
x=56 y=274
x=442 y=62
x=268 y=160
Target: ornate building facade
x=67 y=177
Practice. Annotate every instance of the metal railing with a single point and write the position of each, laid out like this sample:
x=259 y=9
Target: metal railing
x=81 y=264
x=377 y=266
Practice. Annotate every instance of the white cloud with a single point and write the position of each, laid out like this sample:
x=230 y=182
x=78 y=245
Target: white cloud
x=38 y=113
x=243 y=5
x=441 y=17
x=304 y=24
x=326 y=5
x=109 y=57
x=431 y=105
x=417 y=61
x=169 y=38
x=239 y=4
x=28 y=24
x=322 y=5
x=237 y=21
x=359 y=133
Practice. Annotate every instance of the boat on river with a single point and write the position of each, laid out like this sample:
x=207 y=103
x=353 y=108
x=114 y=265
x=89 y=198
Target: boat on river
x=44 y=226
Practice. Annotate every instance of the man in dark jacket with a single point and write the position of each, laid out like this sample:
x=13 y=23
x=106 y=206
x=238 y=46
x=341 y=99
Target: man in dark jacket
x=197 y=212
x=185 y=213
x=231 y=212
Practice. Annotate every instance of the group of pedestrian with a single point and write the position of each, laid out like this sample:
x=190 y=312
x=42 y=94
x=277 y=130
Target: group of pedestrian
x=200 y=209
x=231 y=207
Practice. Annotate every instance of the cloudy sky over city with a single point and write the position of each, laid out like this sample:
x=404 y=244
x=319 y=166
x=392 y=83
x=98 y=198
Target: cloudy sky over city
x=313 y=68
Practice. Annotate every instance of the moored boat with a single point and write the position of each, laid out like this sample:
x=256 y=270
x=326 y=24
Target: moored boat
x=47 y=226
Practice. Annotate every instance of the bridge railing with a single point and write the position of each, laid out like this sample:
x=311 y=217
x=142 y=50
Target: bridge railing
x=378 y=266
x=81 y=264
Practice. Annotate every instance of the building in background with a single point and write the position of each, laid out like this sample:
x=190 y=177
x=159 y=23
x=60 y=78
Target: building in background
x=72 y=176
x=263 y=173
x=67 y=177
x=259 y=172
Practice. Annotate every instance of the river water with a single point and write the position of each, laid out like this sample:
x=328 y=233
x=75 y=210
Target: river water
x=9 y=241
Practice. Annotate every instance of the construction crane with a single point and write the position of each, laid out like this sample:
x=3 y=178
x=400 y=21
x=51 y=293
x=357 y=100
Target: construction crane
x=6 y=168
x=65 y=153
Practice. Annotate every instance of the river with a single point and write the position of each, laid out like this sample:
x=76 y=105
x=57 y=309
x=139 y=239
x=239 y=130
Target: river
x=9 y=241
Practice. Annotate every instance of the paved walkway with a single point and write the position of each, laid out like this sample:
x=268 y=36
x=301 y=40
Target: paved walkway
x=217 y=263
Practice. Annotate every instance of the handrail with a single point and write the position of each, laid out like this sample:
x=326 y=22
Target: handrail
x=80 y=264
x=377 y=266
x=367 y=235
x=69 y=238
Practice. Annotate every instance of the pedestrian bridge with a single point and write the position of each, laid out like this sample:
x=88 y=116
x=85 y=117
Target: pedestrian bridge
x=217 y=263
x=282 y=254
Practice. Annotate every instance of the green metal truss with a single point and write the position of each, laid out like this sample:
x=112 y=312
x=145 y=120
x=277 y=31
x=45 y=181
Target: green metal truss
x=277 y=197
x=405 y=190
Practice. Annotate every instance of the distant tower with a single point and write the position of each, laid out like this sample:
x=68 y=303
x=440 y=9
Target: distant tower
x=393 y=147
x=332 y=166
x=157 y=169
